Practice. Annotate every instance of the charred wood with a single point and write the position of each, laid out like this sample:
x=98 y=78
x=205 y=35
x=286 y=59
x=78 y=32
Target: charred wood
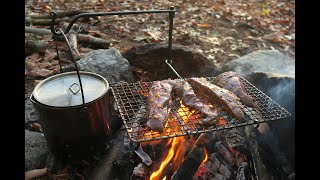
x=192 y=161
x=218 y=177
x=139 y=172
x=260 y=168
x=269 y=145
x=228 y=157
x=215 y=163
x=105 y=168
x=225 y=171
x=241 y=172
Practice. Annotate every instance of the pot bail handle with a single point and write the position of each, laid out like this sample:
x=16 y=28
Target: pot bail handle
x=74 y=88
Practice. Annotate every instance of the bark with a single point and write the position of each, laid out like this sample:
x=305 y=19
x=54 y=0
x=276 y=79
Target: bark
x=58 y=14
x=194 y=158
x=82 y=38
x=32 y=46
x=73 y=40
x=44 y=22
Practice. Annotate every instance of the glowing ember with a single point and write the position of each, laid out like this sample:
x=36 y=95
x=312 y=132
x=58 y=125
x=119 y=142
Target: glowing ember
x=165 y=178
x=221 y=122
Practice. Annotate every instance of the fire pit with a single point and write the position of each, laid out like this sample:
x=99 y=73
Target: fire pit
x=185 y=149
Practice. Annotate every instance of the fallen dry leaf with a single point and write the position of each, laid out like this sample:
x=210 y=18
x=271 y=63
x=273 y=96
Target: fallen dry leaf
x=203 y=25
x=50 y=56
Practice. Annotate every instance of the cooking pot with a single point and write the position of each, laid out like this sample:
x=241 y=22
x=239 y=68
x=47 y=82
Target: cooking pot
x=73 y=109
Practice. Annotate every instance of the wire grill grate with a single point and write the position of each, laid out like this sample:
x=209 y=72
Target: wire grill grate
x=131 y=101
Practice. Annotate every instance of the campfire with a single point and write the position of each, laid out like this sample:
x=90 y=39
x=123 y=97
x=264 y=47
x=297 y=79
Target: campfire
x=186 y=149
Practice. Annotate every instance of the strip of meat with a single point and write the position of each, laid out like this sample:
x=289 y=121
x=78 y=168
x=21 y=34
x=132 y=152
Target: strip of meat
x=214 y=94
x=231 y=80
x=158 y=107
x=190 y=99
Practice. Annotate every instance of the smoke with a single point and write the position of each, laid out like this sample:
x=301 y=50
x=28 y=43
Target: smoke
x=284 y=93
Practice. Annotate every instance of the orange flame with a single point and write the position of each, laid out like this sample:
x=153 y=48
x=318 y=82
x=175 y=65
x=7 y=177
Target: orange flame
x=205 y=156
x=156 y=174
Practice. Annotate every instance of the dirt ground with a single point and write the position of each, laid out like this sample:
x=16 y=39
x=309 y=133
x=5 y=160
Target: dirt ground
x=222 y=30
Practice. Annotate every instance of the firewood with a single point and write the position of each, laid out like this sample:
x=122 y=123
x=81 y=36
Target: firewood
x=44 y=22
x=58 y=14
x=73 y=40
x=194 y=158
x=82 y=38
x=260 y=168
x=33 y=46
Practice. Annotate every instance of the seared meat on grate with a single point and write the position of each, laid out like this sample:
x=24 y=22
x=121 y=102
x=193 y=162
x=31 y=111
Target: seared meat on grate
x=190 y=99
x=158 y=105
x=217 y=95
x=231 y=81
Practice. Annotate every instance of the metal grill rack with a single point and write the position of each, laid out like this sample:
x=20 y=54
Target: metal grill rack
x=131 y=101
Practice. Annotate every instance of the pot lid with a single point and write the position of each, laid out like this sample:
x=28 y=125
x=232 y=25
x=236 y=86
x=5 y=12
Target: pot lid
x=63 y=90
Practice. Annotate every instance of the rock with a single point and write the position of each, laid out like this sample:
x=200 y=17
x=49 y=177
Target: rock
x=30 y=114
x=280 y=88
x=274 y=74
x=262 y=61
x=108 y=63
x=36 y=150
x=187 y=62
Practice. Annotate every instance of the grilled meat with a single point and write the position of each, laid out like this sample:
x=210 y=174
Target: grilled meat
x=215 y=94
x=158 y=105
x=231 y=80
x=190 y=99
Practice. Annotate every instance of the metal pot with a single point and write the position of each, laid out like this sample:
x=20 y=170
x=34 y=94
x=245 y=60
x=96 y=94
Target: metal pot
x=74 y=114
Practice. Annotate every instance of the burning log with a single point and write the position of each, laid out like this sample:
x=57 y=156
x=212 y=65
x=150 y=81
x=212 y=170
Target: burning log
x=194 y=158
x=215 y=163
x=204 y=171
x=224 y=171
x=219 y=177
x=226 y=153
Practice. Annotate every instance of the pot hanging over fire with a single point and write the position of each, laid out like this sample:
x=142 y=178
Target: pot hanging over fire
x=71 y=126
x=73 y=109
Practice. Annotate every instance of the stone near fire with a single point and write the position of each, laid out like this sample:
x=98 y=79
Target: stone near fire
x=108 y=63
x=187 y=62
x=274 y=74
x=30 y=114
x=36 y=150
x=262 y=61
